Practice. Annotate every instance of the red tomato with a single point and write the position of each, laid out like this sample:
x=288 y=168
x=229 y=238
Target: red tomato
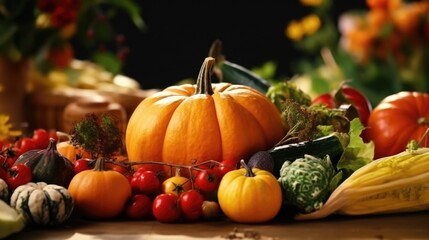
x=207 y=181
x=18 y=175
x=326 y=99
x=139 y=208
x=27 y=144
x=226 y=166
x=165 y=208
x=41 y=138
x=396 y=120
x=191 y=203
x=157 y=168
x=82 y=165
x=144 y=181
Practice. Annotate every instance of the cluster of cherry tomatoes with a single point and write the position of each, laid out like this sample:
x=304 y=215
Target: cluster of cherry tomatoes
x=19 y=174
x=189 y=194
x=179 y=197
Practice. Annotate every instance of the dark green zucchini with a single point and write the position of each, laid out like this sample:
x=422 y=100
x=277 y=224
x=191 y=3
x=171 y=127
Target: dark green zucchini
x=237 y=74
x=332 y=145
x=234 y=73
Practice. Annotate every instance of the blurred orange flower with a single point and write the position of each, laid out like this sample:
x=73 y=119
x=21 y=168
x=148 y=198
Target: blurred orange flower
x=381 y=50
x=388 y=27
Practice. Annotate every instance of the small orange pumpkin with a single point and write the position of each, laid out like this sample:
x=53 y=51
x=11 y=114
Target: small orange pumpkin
x=193 y=123
x=92 y=193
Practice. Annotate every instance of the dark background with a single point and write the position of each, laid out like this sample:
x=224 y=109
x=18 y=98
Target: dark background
x=178 y=36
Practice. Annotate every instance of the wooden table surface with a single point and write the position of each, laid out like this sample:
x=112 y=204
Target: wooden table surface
x=393 y=226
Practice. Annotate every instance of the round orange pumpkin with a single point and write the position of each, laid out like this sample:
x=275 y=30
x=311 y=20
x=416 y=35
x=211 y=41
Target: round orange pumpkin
x=193 y=123
x=98 y=193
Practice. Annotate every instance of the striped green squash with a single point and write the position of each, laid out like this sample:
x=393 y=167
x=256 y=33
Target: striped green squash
x=42 y=204
x=4 y=191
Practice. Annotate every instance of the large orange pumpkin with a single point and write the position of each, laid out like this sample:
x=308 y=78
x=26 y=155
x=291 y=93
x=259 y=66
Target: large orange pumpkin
x=187 y=123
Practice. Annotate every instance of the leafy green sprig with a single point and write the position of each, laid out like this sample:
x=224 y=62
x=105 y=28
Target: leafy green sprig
x=310 y=122
x=98 y=135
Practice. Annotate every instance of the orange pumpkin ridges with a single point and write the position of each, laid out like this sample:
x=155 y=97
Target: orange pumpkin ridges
x=194 y=123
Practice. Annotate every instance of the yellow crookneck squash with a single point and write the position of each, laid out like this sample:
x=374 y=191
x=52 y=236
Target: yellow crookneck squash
x=193 y=123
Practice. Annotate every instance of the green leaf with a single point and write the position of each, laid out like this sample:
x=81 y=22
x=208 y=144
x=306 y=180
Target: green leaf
x=357 y=153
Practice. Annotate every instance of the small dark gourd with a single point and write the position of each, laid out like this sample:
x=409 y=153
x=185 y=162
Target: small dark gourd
x=48 y=165
x=262 y=160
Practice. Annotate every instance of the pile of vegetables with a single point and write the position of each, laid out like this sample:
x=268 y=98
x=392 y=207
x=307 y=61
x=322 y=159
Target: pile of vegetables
x=337 y=143
x=243 y=148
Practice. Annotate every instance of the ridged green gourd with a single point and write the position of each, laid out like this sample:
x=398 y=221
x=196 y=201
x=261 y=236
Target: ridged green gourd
x=42 y=204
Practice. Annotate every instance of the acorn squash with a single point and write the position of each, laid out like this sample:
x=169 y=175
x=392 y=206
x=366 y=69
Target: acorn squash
x=42 y=204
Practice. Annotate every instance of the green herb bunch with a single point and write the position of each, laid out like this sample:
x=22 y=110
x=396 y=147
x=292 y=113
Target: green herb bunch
x=98 y=135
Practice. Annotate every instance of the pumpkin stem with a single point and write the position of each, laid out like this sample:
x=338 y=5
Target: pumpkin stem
x=249 y=172
x=204 y=82
x=99 y=164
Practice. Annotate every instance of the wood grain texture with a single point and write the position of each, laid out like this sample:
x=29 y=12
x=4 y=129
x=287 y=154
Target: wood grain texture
x=394 y=226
